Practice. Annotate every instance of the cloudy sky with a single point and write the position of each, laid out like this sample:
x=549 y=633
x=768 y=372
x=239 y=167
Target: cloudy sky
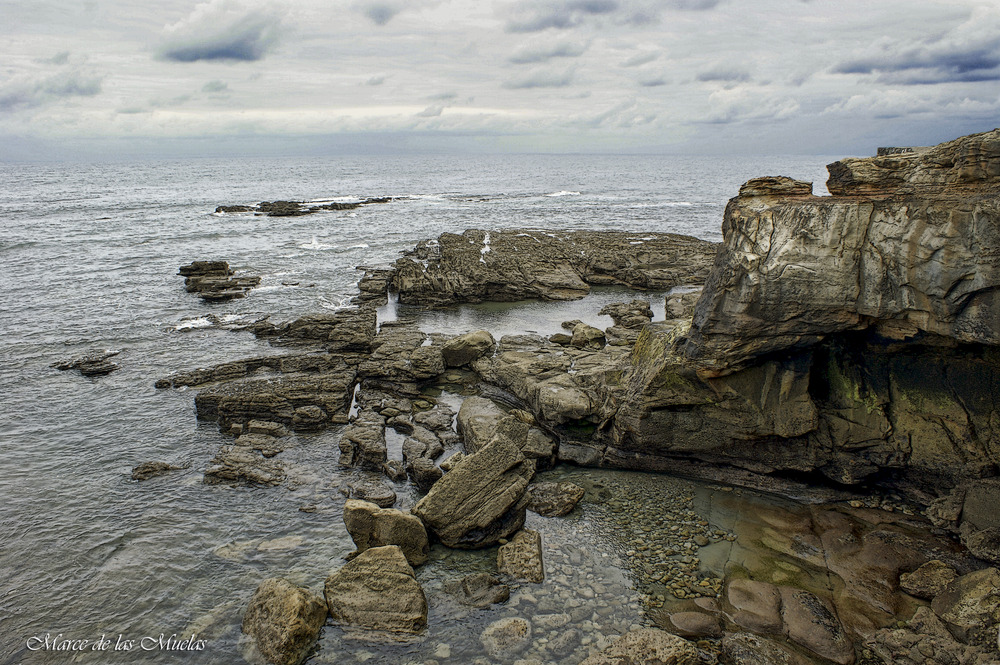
x=713 y=76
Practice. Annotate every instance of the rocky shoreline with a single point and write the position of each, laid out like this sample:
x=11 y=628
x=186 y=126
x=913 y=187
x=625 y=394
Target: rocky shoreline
x=847 y=341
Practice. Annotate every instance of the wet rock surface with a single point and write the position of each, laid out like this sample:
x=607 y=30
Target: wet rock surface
x=647 y=645
x=521 y=558
x=371 y=526
x=148 y=470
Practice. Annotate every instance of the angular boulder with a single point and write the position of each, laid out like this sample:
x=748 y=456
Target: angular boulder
x=554 y=499
x=377 y=591
x=284 y=621
x=463 y=349
x=482 y=499
x=371 y=526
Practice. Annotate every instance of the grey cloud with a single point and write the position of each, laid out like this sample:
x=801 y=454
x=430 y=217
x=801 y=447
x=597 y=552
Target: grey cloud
x=431 y=112
x=220 y=30
x=380 y=13
x=215 y=86
x=538 y=16
x=60 y=58
x=725 y=75
x=969 y=52
x=443 y=96
x=541 y=78
x=28 y=93
x=641 y=58
x=653 y=81
x=376 y=80
x=538 y=54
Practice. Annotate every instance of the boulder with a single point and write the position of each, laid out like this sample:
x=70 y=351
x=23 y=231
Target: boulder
x=438 y=419
x=377 y=590
x=425 y=473
x=400 y=355
x=284 y=621
x=970 y=607
x=371 y=526
x=521 y=558
x=506 y=638
x=693 y=625
x=680 y=304
x=928 y=580
x=588 y=337
x=482 y=499
x=631 y=315
x=554 y=499
x=646 y=645
x=477 y=421
x=925 y=639
x=463 y=349
x=340 y=331
x=811 y=623
x=362 y=443
x=373 y=491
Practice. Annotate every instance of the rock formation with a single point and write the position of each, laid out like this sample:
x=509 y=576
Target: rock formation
x=214 y=280
x=519 y=264
x=850 y=335
x=95 y=363
x=298 y=208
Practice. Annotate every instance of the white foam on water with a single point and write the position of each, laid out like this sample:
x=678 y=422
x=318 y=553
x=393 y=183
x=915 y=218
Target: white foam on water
x=316 y=245
x=564 y=193
x=194 y=324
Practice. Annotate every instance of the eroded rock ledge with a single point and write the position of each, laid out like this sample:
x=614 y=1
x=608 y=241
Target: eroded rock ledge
x=521 y=264
x=849 y=335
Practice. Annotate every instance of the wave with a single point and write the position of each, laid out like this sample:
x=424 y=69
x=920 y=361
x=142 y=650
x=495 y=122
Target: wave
x=563 y=193
x=317 y=245
x=343 y=303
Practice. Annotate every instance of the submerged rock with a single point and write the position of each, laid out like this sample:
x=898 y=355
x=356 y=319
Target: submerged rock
x=506 y=638
x=236 y=464
x=646 y=645
x=480 y=590
x=148 y=470
x=284 y=621
x=521 y=558
x=554 y=499
x=377 y=591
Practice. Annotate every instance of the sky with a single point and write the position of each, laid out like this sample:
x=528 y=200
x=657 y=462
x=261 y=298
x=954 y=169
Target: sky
x=179 y=77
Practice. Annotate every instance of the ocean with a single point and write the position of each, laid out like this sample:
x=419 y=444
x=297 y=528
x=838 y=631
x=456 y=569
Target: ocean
x=89 y=256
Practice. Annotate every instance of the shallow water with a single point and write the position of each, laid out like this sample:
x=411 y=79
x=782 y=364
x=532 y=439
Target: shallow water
x=90 y=255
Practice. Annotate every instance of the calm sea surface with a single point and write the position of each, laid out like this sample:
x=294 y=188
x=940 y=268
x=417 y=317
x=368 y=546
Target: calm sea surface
x=89 y=257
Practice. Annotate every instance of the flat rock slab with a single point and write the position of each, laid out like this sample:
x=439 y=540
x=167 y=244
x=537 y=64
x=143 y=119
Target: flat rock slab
x=521 y=558
x=284 y=621
x=377 y=591
x=928 y=580
x=506 y=638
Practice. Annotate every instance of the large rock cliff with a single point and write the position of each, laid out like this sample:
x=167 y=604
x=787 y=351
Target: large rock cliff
x=850 y=335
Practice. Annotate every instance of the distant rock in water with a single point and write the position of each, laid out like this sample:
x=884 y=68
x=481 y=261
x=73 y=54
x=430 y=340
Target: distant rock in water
x=95 y=363
x=214 y=281
x=299 y=208
x=148 y=470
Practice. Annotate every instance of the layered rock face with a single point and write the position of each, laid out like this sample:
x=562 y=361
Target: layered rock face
x=848 y=334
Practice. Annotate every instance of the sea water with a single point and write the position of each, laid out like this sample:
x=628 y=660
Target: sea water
x=89 y=256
